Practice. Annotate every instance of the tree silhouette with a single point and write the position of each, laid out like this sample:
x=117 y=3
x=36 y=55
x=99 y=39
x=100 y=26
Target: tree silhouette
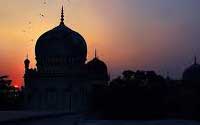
x=146 y=95
x=10 y=96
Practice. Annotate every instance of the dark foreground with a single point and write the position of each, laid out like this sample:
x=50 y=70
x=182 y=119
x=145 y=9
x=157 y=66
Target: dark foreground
x=49 y=118
x=67 y=120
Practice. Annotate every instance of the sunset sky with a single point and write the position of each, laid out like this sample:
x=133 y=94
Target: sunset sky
x=160 y=35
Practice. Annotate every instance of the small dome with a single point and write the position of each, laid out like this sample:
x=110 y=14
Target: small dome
x=98 y=69
x=192 y=73
x=26 y=61
x=97 y=65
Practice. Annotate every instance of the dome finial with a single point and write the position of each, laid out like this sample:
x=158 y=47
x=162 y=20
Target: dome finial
x=27 y=56
x=62 y=16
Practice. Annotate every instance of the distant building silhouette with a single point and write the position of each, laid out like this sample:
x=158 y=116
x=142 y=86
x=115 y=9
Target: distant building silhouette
x=62 y=79
x=192 y=73
x=97 y=69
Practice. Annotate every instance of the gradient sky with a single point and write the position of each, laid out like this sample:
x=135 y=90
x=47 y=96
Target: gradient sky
x=160 y=35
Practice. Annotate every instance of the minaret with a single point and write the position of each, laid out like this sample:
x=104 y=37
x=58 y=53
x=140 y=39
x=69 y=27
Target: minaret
x=168 y=76
x=195 y=60
x=62 y=16
x=95 y=53
x=26 y=64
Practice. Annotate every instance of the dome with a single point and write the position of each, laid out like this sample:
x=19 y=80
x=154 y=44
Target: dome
x=192 y=73
x=61 y=41
x=98 y=69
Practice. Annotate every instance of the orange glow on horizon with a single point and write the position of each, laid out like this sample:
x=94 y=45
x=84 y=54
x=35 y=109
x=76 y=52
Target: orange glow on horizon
x=16 y=86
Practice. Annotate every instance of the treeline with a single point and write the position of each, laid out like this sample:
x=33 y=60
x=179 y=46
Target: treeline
x=146 y=95
x=11 y=98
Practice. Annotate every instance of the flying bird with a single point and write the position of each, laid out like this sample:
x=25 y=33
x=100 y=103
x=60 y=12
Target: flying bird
x=42 y=15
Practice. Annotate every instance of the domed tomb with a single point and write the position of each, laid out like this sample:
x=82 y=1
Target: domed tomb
x=192 y=73
x=59 y=48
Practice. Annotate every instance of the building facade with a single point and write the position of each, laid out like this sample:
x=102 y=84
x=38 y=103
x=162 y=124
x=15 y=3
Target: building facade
x=62 y=80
